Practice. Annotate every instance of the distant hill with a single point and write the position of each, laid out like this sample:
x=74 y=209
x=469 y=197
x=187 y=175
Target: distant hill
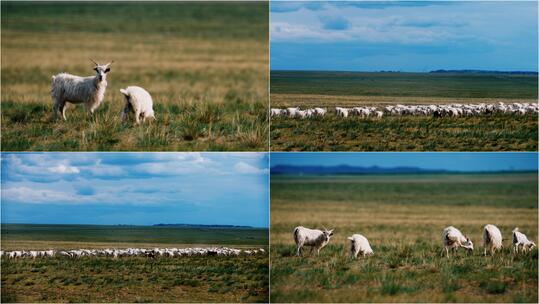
x=346 y=169
x=483 y=72
x=199 y=226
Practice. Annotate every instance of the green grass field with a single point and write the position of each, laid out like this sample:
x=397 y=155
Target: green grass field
x=13 y=233
x=403 y=217
x=205 y=65
x=452 y=85
x=405 y=133
x=136 y=279
x=133 y=279
x=348 y=89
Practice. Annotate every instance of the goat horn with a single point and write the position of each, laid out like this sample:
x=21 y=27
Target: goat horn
x=93 y=61
x=110 y=62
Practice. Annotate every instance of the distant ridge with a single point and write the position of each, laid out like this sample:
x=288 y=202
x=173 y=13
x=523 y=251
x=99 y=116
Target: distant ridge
x=484 y=72
x=346 y=169
x=199 y=226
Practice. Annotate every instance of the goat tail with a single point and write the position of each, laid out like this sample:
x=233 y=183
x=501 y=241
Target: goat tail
x=296 y=235
x=486 y=237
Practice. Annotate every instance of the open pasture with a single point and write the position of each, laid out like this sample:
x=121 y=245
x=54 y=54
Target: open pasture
x=14 y=236
x=136 y=279
x=351 y=89
x=196 y=278
x=205 y=65
x=403 y=217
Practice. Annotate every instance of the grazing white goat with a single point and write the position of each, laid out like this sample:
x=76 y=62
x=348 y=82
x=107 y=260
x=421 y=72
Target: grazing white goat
x=277 y=112
x=492 y=238
x=292 y=112
x=75 y=89
x=359 y=244
x=320 y=111
x=453 y=238
x=314 y=238
x=138 y=101
x=521 y=240
x=343 y=112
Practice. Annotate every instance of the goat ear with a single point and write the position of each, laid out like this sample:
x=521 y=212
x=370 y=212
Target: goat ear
x=123 y=91
x=350 y=238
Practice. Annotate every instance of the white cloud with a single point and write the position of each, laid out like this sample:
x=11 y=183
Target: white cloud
x=398 y=24
x=64 y=169
x=36 y=196
x=245 y=168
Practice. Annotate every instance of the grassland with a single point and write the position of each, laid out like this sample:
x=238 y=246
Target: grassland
x=88 y=234
x=452 y=85
x=205 y=65
x=331 y=133
x=403 y=216
x=133 y=279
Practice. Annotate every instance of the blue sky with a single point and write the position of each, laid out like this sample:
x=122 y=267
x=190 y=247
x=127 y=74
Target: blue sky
x=472 y=161
x=135 y=188
x=403 y=36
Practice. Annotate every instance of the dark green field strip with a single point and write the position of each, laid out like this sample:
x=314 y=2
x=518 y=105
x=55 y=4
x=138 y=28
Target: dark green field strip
x=135 y=234
x=405 y=84
x=186 y=279
x=518 y=191
x=232 y=20
x=481 y=133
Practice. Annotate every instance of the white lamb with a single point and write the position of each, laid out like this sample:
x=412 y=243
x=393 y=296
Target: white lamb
x=343 y=112
x=492 y=238
x=314 y=238
x=521 y=240
x=320 y=111
x=139 y=101
x=359 y=244
x=454 y=239
x=75 y=89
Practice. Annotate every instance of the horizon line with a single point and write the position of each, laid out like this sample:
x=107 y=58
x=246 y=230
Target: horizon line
x=137 y=225
x=410 y=167
x=411 y=72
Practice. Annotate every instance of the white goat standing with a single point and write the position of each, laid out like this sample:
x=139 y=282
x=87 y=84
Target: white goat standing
x=492 y=238
x=75 y=89
x=453 y=238
x=359 y=244
x=139 y=101
x=521 y=240
x=314 y=238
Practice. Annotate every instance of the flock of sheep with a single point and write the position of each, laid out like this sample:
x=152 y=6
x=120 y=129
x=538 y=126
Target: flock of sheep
x=90 y=91
x=441 y=110
x=452 y=239
x=132 y=252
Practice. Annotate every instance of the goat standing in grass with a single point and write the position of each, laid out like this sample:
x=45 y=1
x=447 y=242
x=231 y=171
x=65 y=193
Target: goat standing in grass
x=521 y=240
x=75 y=89
x=453 y=239
x=359 y=244
x=492 y=238
x=314 y=238
x=139 y=101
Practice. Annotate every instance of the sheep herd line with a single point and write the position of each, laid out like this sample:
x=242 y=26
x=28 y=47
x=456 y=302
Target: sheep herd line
x=452 y=239
x=441 y=110
x=132 y=252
